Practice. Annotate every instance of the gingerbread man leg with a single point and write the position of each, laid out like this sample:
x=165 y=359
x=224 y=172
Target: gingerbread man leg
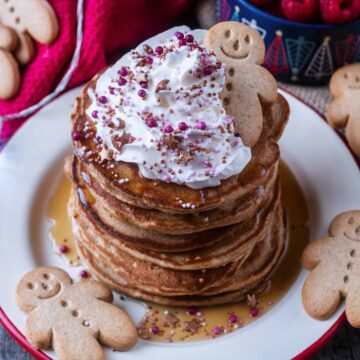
x=319 y=297
x=10 y=75
x=352 y=307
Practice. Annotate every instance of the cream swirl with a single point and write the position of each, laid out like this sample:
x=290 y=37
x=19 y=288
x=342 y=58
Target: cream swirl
x=159 y=107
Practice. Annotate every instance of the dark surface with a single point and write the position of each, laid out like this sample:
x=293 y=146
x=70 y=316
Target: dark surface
x=344 y=346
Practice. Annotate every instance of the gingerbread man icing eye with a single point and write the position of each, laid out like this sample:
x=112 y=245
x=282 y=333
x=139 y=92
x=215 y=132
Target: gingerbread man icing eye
x=347 y=225
x=233 y=40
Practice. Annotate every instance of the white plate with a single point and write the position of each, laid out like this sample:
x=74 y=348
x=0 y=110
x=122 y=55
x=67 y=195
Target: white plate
x=32 y=162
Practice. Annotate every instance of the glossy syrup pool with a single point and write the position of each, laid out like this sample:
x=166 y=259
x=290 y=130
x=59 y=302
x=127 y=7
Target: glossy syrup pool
x=175 y=324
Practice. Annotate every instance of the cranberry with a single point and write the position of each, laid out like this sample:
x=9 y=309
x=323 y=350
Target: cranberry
x=63 y=249
x=191 y=310
x=201 y=125
x=254 y=312
x=233 y=318
x=149 y=60
x=182 y=42
x=168 y=129
x=144 y=84
x=123 y=71
x=216 y=330
x=151 y=122
x=155 y=330
x=76 y=136
x=95 y=114
x=84 y=274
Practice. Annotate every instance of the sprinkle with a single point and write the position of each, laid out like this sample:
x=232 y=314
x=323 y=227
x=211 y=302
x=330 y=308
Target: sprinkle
x=159 y=50
x=179 y=35
x=144 y=84
x=208 y=70
x=76 y=136
x=216 y=330
x=63 y=249
x=103 y=99
x=233 y=319
x=122 y=81
x=189 y=38
x=201 y=125
x=168 y=129
x=151 y=122
x=155 y=330
x=254 y=312
x=123 y=71
x=84 y=274
x=191 y=310
x=95 y=114
x=183 y=126
x=142 y=93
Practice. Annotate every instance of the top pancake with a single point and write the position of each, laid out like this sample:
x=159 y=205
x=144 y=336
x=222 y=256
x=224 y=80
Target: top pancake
x=146 y=193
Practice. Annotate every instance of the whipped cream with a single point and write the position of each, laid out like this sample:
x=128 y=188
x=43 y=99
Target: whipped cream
x=159 y=107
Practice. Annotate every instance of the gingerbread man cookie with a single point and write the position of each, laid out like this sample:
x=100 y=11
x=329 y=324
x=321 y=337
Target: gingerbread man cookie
x=335 y=270
x=247 y=84
x=72 y=318
x=344 y=111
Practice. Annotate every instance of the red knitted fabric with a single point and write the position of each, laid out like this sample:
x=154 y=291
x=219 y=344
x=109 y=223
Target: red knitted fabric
x=108 y=26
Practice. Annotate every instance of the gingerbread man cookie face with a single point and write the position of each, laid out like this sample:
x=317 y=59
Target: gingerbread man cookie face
x=247 y=85
x=233 y=41
x=335 y=270
x=344 y=110
x=72 y=318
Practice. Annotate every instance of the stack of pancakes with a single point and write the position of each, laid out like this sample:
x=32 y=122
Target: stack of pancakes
x=171 y=244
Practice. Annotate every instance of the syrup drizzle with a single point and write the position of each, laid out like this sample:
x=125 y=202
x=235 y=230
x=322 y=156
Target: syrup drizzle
x=176 y=324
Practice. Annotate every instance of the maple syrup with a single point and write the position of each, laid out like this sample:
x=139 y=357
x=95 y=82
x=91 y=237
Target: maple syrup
x=175 y=324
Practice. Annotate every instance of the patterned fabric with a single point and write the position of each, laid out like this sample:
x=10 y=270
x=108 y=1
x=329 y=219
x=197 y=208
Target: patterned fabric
x=108 y=25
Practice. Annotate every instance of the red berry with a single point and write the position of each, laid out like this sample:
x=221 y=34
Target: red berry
x=159 y=50
x=300 y=10
x=179 y=35
x=261 y=3
x=189 y=38
x=339 y=11
x=182 y=42
x=142 y=93
x=183 y=126
x=122 y=81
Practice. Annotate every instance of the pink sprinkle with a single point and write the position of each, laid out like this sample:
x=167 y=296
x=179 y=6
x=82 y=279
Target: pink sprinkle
x=103 y=99
x=122 y=81
x=142 y=93
x=201 y=125
x=94 y=114
x=179 y=35
x=123 y=71
x=254 y=312
x=159 y=50
x=191 y=310
x=151 y=122
x=144 y=84
x=237 y=134
x=168 y=129
x=111 y=90
x=208 y=70
x=235 y=143
x=76 y=136
x=183 y=126
x=216 y=330
x=84 y=274
x=189 y=38
x=155 y=330
x=149 y=60
x=233 y=318
x=182 y=42
x=63 y=249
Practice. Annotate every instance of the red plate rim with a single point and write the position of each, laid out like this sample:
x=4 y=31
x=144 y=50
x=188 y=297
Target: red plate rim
x=305 y=354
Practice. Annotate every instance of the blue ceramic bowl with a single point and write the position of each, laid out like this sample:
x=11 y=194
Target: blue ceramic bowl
x=296 y=52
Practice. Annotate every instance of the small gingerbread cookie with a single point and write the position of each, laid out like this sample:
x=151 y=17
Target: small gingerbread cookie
x=335 y=270
x=72 y=318
x=31 y=19
x=344 y=111
x=247 y=84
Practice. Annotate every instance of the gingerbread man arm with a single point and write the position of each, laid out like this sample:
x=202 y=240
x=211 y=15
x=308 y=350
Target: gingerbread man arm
x=319 y=296
x=38 y=330
x=266 y=87
x=96 y=289
x=352 y=132
x=10 y=81
x=314 y=252
x=338 y=113
x=8 y=38
x=116 y=328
